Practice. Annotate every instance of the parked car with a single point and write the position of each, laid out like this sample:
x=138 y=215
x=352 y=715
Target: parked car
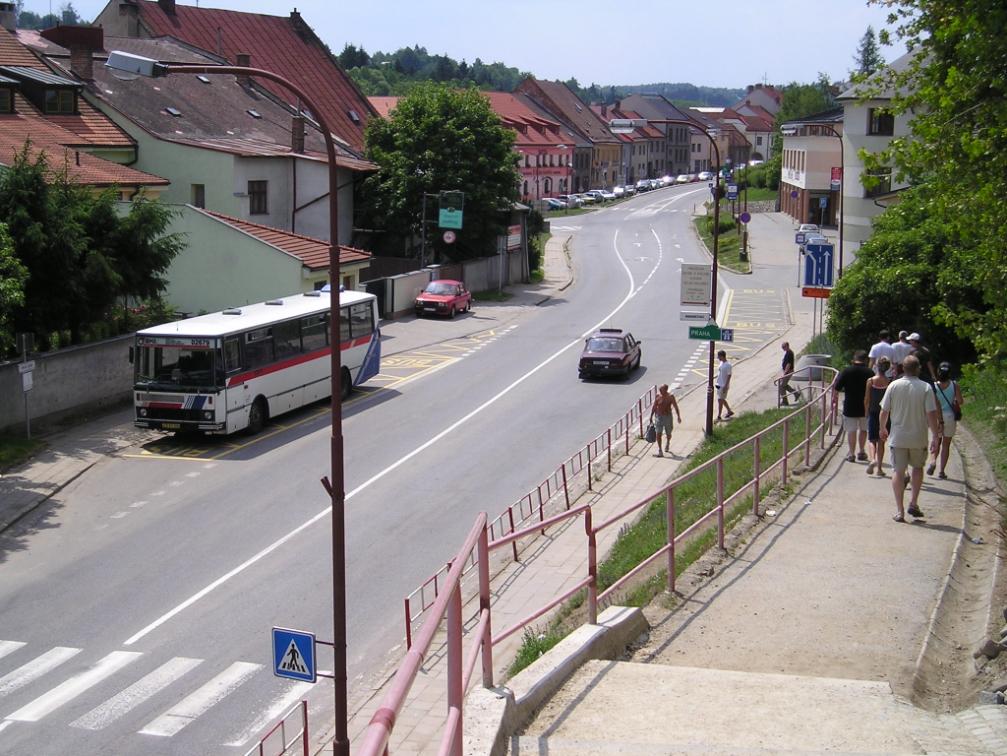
x=586 y=198
x=571 y=200
x=683 y=178
x=619 y=191
x=609 y=351
x=643 y=185
x=607 y=195
x=443 y=297
x=630 y=189
x=667 y=180
x=705 y=176
x=551 y=203
x=598 y=194
x=655 y=183
x=809 y=229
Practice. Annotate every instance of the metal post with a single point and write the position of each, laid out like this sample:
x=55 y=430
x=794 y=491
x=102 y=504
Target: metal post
x=455 y=663
x=720 y=502
x=592 y=569
x=485 y=605
x=670 y=511
x=757 y=465
x=786 y=448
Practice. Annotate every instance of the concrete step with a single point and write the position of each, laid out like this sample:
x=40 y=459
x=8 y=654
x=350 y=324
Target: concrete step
x=621 y=707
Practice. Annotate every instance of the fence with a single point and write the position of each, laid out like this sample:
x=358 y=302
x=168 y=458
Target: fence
x=267 y=745
x=564 y=485
x=477 y=548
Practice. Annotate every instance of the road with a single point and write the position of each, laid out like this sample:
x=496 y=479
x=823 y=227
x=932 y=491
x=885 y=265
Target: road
x=137 y=608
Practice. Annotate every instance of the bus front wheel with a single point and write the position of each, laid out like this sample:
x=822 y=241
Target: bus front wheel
x=345 y=385
x=258 y=415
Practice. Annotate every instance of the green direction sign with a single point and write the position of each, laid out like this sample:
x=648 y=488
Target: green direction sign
x=709 y=332
x=451 y=207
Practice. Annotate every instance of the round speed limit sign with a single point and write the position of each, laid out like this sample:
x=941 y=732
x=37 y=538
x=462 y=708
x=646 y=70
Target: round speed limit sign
x=449 y=237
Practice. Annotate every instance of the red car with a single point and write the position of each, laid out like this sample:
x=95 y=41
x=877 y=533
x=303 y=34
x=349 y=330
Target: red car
x=444 y=297
x=609 y=351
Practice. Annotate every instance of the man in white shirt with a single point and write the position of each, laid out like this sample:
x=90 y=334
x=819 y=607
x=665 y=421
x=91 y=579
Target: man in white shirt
x=882 y=349
x=902 y=349
x=723 y=385
x=912 y=407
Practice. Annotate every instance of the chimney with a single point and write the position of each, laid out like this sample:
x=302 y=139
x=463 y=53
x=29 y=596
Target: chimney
x=604 y=110
x=750 y=88
x=82 y=42
x=245 y=61
x=297 y=134
x=8 y=16
x=302 y=29
x=168 y=6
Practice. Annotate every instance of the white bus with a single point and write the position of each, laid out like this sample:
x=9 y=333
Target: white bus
x=231 y=370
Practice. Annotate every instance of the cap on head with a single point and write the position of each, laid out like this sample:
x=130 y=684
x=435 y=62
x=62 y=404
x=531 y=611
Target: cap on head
x=914 y=336
x=944 y=366
x=903 y=334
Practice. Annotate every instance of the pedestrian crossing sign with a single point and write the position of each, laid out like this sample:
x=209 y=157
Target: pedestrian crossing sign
x=294 y=654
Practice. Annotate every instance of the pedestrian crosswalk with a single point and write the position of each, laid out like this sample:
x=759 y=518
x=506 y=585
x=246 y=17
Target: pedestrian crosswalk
x=38 y=684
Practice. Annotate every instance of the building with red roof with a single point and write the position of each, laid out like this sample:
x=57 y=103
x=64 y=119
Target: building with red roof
x=286 y=46
x=643 y=148
x=680 y=152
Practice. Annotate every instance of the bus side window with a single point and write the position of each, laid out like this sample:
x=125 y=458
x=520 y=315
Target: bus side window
x=314 y=332
x=232 y=354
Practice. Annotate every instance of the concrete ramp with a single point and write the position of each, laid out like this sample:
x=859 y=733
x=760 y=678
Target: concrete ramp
x=641 y=709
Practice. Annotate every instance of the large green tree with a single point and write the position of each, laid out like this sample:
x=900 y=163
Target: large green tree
x=13 y=275
x=868 y=58
x=954 y=93
x=440 y=139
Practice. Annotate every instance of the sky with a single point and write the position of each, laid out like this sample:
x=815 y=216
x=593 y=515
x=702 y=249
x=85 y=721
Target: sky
x=726 y=43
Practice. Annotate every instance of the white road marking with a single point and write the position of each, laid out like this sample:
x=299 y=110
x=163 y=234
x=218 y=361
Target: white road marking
x=279 y=707
x=127 y=700
x=37 y=667
x=631 y=292
x=199 y=701
x=118 y=515
x=7 y=647
x=70 y=689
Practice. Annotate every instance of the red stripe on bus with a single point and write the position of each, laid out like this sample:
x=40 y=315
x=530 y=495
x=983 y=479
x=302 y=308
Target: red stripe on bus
x=298 y=360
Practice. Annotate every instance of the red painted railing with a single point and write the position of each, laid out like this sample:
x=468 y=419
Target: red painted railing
x=476 y=550
x=268 y=745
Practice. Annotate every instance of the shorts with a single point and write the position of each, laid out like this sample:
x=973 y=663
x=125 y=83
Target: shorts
x=853 y=424
x=664 y=424
x=874 y=426
x=722 y=392
x=950 y=424
x=902 y=458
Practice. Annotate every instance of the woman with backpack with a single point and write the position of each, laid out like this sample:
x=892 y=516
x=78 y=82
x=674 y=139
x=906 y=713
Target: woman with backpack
x=949 y=401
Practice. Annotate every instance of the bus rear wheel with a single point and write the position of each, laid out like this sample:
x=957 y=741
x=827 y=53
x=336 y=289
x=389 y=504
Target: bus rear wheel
x=345 y=385
x=258 y=415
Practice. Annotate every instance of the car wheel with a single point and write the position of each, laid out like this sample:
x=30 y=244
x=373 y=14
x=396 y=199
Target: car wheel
x=258 y=415
x=345 y=385
x=451 y=312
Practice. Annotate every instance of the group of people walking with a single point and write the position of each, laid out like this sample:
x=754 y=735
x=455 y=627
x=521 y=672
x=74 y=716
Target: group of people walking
x=892 y=394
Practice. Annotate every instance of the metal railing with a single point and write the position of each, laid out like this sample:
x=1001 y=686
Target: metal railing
x=477 y=548
x=266 y=746
x=552 y=495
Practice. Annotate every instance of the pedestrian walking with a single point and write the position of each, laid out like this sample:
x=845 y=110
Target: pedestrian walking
x=852 y=381
x=927 y=372
x=902 y=349
x=949 y=401
x=910 y=405
x=724 y=371
x=660 y=415
x=787 y=366
x=876 y=387
x=883 y=348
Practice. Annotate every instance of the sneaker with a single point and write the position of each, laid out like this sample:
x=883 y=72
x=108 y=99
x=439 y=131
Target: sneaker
x=915 y=511
x=930 y=468
x=870 y=469
x=850 y=458
x=730 y=414
x=942 y=475
x=862 y=456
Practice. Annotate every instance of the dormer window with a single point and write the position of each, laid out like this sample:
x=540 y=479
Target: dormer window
x=354 y=116
x=60 y=101
x=173 y=112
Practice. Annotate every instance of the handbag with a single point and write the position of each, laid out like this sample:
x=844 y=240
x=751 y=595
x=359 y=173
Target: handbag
x=956 y=408
x=651 y=435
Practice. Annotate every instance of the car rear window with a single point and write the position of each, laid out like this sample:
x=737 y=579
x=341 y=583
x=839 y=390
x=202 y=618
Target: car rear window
x=605 y=345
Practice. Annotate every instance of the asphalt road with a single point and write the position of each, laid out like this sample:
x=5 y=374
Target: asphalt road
x=138 y=616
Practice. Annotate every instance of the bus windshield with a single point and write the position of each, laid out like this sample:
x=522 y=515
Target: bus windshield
x=177 y=367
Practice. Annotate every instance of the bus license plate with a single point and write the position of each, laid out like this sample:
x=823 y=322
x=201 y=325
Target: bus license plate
x=171 y=426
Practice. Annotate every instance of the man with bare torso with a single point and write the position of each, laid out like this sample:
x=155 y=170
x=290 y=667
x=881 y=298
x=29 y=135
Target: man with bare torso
x=660 y=415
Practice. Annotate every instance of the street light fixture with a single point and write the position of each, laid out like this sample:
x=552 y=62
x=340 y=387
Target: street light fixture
x=136 y=64
x=627 y=125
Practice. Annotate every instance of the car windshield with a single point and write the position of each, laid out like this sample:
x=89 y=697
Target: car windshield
x=439 y=288
x=599 y=344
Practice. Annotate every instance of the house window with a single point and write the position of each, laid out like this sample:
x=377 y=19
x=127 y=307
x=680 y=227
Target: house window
x=199 y=195
x=880 y=122
x=6 y=101
x=257 y=204
x=59 y=101
x=758 y=141
x=878 y=182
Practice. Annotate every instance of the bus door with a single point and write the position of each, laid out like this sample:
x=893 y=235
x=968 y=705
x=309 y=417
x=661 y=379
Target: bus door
x=235 y=394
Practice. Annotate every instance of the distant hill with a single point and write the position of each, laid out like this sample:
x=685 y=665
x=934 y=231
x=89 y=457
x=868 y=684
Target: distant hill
x=395 y=74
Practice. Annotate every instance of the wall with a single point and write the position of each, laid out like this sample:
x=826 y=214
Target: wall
x=68 y=381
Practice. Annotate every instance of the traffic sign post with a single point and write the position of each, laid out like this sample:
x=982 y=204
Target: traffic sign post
x=699 y=315
x=709 y=332
x=697 y=285
x=451 y=205
x=294 y=655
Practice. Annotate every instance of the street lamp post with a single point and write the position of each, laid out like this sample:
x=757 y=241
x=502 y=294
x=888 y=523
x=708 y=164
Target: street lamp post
x=622 y=126
x=335 y=487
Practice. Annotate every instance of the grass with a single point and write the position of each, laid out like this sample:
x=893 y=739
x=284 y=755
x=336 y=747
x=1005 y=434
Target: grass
x=985 y=412
x=491 y=295
x=728 y=247
x=14 y=451
x=693 y=499
x=757 y=194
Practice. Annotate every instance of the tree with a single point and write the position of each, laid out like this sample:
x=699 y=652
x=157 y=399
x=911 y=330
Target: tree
x=13 y=276
x=868 y=58
x=353 y=57
x=441 y=139
x=953 y=90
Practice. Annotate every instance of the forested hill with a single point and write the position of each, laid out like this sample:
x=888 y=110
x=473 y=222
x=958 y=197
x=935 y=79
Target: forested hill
x=395 y=74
